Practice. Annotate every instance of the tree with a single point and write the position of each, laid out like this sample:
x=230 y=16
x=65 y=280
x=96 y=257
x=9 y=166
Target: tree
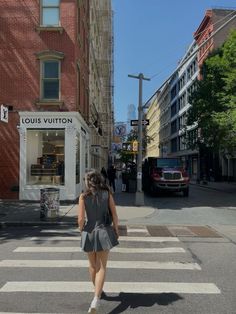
x=133 y=136
x=213 y=103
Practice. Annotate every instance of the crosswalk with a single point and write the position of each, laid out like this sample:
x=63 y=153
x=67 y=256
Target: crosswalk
x=59 y=250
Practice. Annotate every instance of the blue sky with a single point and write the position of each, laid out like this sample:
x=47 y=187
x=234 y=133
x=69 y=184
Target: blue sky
x=150 y=37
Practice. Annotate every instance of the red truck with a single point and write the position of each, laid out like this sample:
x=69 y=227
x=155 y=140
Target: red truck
x=164 y=174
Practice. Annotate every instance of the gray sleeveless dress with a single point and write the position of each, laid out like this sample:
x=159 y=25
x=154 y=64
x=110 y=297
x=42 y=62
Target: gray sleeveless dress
x=94 y=237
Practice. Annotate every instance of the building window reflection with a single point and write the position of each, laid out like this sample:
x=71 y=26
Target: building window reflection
x=45 y=156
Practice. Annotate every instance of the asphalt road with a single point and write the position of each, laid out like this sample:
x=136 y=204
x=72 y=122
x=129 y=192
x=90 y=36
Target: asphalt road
x=203 y=207
x=178 y=259
x=42 y=271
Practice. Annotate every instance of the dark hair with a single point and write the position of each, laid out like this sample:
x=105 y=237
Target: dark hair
x=94 y=182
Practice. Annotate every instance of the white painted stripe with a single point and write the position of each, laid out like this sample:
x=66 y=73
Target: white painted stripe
x=122 y=238
x=25 y=313
x=73 y=249
x=66 y=231
x=111 y=287
x=111 y=264
x=137 y=230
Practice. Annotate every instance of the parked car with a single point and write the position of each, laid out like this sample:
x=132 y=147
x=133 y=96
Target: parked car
x=164 y=174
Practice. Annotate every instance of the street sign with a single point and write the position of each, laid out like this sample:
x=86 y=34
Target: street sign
x=120 y=129
x=135 y=122
x=4 y=113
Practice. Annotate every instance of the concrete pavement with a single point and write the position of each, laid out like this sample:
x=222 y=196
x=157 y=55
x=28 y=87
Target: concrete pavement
x=22 y=212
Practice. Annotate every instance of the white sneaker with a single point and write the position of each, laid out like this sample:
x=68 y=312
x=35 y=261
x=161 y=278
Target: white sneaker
x=94 y=306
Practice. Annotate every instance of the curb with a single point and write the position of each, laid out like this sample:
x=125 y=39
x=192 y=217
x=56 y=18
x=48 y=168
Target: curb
x=5 y=224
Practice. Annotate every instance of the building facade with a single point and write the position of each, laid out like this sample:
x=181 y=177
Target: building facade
x=131 y=116
x=152 y=130
x=101 y=81
x=182 y=84
x=173 y=99
x=44 y=81
x=223 y=166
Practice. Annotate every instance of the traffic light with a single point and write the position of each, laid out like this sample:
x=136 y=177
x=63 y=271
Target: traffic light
x=127 y=146
x=135 y=146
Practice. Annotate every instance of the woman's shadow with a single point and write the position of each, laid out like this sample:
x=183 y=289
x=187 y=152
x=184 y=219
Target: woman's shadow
x=135 y=300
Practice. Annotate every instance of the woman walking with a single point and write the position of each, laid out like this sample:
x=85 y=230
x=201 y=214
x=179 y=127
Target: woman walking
x=96 y=238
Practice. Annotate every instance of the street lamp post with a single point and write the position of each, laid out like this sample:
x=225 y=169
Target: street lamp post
x=139 y=197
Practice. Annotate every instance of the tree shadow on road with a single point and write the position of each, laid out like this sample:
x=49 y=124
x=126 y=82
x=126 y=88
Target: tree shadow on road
x=135 y=300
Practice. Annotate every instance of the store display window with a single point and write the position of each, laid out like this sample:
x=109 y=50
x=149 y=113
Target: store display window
x=45 y=156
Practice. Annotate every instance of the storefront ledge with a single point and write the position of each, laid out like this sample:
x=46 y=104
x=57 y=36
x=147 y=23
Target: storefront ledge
x=49 y=103
x=40 y=29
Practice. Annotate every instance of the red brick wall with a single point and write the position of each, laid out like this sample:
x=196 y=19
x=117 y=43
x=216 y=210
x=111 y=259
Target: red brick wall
x=19 y=70
x=19 y=75
x=9 y=157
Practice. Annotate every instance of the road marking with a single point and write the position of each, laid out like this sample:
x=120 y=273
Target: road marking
x=130 y=230
x=122 y=238
x=111 y=264
x=66 y=231
x=63 y=249
x=138 y=229
x=111 y=287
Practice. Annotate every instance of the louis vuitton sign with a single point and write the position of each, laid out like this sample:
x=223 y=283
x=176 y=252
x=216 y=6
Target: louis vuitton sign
x=43 y=121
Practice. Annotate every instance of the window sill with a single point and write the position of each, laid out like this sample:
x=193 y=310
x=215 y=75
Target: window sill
x=40 y=29
x=49 y=103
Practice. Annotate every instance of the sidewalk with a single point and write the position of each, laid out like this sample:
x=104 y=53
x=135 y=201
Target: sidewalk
x=228 y=187
x=22 y=213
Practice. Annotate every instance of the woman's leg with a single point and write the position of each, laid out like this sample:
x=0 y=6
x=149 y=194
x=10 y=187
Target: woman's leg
x=92 y=266
x=101 y=263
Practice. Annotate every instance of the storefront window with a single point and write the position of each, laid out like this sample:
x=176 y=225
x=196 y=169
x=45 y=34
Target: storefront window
x=77 y=158
x=45 y=156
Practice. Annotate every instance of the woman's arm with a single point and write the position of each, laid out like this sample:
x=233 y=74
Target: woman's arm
x=112 y=207
x=81 y=212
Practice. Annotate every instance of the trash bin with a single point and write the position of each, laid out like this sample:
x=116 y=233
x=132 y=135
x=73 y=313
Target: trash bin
x=49 y=203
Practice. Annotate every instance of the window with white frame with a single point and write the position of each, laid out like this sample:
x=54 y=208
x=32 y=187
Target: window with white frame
x=50 y=79
x=50 y=12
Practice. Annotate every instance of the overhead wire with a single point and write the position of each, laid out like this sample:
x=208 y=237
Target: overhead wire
x=226 y=16
x=191 y=55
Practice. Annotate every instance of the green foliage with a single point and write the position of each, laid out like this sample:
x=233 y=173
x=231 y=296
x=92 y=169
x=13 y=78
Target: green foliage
x=213 y=109
x=132 y=136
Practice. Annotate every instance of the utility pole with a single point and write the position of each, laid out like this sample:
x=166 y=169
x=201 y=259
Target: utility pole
x=139 y=197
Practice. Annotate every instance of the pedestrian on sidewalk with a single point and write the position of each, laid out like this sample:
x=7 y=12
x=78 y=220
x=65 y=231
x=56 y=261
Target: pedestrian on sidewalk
x=96 y=238
x=104 y=174
x=111 y=174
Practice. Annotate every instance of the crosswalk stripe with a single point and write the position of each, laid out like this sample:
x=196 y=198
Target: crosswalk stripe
x=122 y=238
x=137 y=230
x=66 y=231
x=111 y=287
x=111 y=264
x=25 y=313
x=63 y=249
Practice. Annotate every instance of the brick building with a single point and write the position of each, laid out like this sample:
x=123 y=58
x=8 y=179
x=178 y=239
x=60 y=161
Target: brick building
x=44 y=81
x=214 y=20
x=219 y=23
